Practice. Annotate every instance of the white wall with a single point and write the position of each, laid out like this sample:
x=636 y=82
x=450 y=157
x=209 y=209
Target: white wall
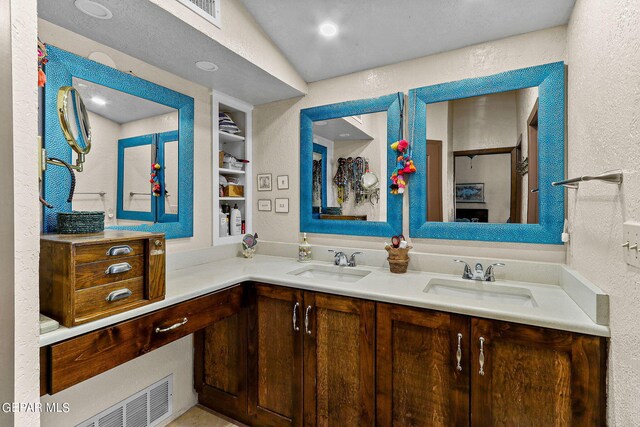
x=439 y=128
x=277 y=132
x=494 y=171
x=19 y=207
x=603 y=42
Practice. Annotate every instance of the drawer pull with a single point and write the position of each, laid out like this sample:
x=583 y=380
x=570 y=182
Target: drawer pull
x=481 y=358
x=118 y=295
x=459 y=352
x=172 y=327
x=122 y=267
x=119 y=250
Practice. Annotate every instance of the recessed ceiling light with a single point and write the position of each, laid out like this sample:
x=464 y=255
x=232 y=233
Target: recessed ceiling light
x=328 y=29
x=98 y=101
x=344 y=135
x=206 y=66
x=321 y=123
x=93 y=9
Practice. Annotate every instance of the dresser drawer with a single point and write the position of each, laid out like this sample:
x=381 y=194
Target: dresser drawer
x=99 y=273
x=96 y=302
x=108 y=251
x=78 y=359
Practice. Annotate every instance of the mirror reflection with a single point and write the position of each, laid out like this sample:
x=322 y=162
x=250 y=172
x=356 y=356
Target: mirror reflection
x=349 y=164
x=132 y=173
x=482 y=158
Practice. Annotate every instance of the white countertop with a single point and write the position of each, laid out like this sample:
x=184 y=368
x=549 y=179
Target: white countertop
x=555 y=308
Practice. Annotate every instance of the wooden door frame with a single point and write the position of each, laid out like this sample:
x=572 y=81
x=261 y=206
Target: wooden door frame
x=515 y=202
x=437 y=144
x=532 y=154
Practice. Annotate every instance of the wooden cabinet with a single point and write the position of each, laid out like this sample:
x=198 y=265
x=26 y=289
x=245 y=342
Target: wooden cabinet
x=339 y=354
x=310 y=360
x=72 y=361
x=420 y=381
x=535 y=376
x=315 y=359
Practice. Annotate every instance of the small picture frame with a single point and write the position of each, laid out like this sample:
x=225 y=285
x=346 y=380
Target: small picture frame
x=470 y=193
x=264 y=182
x=264 y=205
x=283 y=182
x=282 y=205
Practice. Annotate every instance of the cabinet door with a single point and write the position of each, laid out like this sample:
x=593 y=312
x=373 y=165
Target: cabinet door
x=339 y=368
x=275 y=356
x=221 y=366
x=420 y=381
x=533 y=376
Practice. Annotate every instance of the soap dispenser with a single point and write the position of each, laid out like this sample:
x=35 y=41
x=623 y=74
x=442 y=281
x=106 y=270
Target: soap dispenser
x=304 y=250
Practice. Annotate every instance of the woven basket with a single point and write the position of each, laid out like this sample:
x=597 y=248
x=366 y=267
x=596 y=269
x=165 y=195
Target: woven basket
x=80 y=222
x=398 y=259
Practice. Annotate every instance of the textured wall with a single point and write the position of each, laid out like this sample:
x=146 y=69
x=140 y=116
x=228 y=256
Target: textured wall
x=19 y=222
x=277 y=126
x=603 y=41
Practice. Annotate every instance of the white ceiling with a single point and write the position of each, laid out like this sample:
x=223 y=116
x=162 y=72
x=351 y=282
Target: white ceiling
x=373 y=33
x=145 y=31
x=120 y=107
x=333 y=129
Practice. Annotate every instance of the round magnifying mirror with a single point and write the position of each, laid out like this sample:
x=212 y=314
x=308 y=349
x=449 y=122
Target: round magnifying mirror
x=74 y=120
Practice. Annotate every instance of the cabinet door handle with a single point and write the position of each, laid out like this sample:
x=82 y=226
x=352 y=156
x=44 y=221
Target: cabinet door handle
x=481 y=358
x=122 y=267
x=118 y=295
x=119 y=250
x=172 y=327
x=295 y=316
x=459 y=352
x=306 y=320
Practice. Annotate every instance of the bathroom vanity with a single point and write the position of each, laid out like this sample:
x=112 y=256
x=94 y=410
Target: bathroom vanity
x=276 y=344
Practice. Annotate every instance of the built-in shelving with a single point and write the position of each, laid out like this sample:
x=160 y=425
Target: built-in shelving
x=229 y=137
x=239 y=146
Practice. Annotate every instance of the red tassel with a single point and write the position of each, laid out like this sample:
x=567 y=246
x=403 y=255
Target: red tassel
x=42 y=78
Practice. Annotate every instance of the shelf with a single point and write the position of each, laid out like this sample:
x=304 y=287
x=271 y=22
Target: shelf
x=230 y=239
x=229 y=137
x=231 y=198
x=230 y=171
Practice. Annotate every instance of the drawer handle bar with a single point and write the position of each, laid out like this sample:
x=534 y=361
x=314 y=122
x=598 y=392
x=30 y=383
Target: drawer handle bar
x=459 y=352
x=306 y=320
x=122 y=267
x=296 y=328
x=118 y=295
x=481 y=358
x=119 y=250
x=172 y=327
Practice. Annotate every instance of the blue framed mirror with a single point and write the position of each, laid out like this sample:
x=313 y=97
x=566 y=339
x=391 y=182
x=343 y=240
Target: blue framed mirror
x=135 y=124
x=349 y=144
x=486 y=151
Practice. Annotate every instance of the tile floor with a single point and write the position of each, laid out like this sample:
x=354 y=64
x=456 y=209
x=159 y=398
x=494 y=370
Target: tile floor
x=199 y=416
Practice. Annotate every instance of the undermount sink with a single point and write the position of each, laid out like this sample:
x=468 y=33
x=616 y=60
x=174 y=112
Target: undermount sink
x=480 y=291
x=330 y=272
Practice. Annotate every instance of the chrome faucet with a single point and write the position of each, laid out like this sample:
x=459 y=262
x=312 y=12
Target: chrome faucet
x=478 y=273
x=340 y=258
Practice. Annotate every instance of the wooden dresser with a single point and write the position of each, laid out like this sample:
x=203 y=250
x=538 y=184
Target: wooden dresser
x=84 y=277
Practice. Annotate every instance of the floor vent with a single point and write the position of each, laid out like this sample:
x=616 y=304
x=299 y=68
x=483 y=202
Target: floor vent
x=147 y=408
x=208 y=9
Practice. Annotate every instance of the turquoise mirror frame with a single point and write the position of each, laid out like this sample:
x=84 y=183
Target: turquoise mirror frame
x=550 y=79
x=393 y=225
x=61 y=67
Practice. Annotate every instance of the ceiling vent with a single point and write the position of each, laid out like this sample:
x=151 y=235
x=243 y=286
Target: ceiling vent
x=208 y=9
x=147 y=408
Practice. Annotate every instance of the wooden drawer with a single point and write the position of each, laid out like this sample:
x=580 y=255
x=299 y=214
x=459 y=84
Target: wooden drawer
x=81 y=358
x=95 y=273
x=101 y=252
x=73 y=273
x=92 y=303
